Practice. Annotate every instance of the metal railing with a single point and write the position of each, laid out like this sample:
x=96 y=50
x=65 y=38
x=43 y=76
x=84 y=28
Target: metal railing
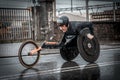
x=15 y=24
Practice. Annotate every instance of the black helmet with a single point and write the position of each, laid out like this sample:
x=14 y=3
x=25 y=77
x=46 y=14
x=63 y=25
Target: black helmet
x=64 y=20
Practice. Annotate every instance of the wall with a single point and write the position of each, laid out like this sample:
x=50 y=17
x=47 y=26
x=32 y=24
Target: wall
x=107 y=31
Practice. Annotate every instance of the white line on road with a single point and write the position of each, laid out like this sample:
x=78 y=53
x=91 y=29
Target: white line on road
x=110 y=49
x=58 y=70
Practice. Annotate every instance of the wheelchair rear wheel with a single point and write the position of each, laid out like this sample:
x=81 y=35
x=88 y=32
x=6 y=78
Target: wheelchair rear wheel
x=69 y=53
x=88 y=48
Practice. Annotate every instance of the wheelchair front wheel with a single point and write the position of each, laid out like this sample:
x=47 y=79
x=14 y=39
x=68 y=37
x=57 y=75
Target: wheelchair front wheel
x=25 y=59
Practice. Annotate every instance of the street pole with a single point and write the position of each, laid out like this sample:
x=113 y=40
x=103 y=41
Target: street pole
x=71 y=6
x=87 y=10
x=114 y=15
x=35 y=24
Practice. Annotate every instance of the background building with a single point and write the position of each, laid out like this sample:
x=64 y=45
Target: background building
x=35 y=19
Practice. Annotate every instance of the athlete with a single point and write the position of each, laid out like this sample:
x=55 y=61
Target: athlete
x=69 y=31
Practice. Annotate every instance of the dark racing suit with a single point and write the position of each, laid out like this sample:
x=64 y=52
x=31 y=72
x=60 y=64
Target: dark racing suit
x=70 y=36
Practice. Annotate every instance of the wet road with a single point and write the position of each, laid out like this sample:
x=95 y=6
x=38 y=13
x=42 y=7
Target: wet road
x=53 y=67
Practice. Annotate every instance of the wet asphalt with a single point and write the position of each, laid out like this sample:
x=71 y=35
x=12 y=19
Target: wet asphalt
x=54 y=67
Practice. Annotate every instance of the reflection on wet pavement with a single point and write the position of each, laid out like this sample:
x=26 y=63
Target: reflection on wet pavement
x=53 y=67
x=68 y=71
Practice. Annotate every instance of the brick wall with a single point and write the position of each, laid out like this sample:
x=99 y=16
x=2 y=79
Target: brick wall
x=107 y=31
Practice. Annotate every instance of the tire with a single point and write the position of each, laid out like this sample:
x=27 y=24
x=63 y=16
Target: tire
x=69 y=53
x=88 y=54
x=26 y=60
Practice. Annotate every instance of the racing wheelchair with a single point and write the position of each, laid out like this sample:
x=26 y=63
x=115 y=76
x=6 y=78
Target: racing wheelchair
x=89 y=49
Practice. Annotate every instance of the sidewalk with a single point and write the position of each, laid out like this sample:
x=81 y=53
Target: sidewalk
x=110 y=46
x=11 y=49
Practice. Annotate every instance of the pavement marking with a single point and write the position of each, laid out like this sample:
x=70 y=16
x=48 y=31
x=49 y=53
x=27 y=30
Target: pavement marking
x=58 y=70
x=57 y=52
x=110 y=49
